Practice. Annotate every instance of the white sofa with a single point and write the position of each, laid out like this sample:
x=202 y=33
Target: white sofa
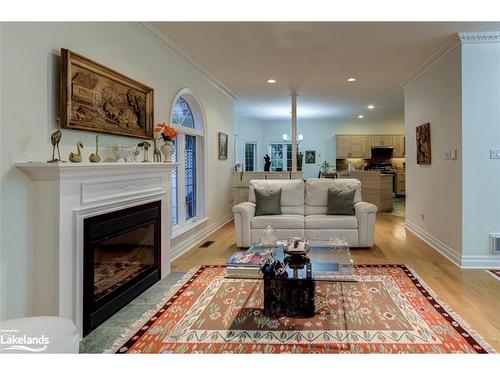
x=303 y=208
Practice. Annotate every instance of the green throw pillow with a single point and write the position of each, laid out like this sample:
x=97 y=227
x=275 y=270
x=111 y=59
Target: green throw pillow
x=340 y=202
x=267 y=202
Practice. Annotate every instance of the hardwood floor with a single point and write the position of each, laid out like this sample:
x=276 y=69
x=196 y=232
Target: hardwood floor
x=473 y=294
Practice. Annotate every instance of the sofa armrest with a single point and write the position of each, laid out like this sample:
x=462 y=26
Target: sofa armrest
x=365 y=213
x=243 y=214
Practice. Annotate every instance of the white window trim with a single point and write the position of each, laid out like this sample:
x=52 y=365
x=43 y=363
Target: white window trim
x=179 y=230
x=188 y=131
x=184 y=225
x=254 y=156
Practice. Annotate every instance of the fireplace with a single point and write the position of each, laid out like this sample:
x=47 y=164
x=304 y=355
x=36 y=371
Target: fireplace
x=121 y=259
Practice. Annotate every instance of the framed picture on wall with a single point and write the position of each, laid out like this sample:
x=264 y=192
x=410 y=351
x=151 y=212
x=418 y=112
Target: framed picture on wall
x=310 y=157
x=423 y=137
x=98 y=99
x=222 y=146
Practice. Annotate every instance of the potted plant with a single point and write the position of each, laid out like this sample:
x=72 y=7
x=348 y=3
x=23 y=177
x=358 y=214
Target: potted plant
x=325 y=166
x=168 y=134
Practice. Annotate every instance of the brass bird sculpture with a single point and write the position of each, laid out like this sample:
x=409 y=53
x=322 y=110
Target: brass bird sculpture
x=94 y=157
x=156 y=152
x=55 y=138
x=76 y=158
x=146 y=147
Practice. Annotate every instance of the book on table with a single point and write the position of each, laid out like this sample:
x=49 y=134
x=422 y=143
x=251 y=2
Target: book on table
x=246 y=264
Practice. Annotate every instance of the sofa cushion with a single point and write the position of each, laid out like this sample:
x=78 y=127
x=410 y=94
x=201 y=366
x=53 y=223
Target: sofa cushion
x=268 y=202
x=317 y=192
x=331 y=222
x=292 y=193
x=278 y=221
x=340 y=202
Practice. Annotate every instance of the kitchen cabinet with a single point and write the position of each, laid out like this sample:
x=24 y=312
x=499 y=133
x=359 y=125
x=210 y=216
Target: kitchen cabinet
x=382 y=140
x=353 y=146
x=399 y=146
x=376 y=188
x=359 y=146
x=400 y=183
x=342 y=142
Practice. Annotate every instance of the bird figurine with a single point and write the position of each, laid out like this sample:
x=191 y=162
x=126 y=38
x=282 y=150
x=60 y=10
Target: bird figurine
x=146 y=147
x=156 y=153
x=95 y=158
x=55 y=138
x=76 y=158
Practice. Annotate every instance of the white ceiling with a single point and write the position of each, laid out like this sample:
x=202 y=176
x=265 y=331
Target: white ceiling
x=315 y=59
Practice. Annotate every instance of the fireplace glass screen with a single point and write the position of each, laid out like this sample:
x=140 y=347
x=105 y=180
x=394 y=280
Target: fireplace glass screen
x=119 y=259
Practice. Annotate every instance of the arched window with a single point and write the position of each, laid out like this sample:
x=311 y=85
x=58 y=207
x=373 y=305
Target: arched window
x=188 y=178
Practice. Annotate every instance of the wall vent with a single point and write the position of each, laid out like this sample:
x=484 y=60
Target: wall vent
x=495 y=243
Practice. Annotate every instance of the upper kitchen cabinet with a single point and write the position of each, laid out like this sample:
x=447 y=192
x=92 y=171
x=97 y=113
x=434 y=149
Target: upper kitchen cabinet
x=353 y=146
x=360 y=146
x=399 y=146
x=382 y=140
x=342 y=142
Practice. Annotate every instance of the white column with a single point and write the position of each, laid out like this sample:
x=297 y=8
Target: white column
x=294 y=131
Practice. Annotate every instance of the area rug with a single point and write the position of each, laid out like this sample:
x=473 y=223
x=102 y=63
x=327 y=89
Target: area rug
x=494 y=273
x=388 y=310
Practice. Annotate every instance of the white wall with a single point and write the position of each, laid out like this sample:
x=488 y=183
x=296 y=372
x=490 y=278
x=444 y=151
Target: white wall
x=433 y=192
x=29 y=102
x=480 y=131
x=318 y=136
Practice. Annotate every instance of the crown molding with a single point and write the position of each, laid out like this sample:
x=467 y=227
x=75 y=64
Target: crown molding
x=441 y=52
x=480 y=37
x=159 y=38
x=456 y=40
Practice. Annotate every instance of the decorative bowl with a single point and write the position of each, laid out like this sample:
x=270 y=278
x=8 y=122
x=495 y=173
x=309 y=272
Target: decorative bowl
x=128 y=154
x=302 y=248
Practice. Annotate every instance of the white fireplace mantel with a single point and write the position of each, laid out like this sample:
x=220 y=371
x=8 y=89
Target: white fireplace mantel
x=65 y=194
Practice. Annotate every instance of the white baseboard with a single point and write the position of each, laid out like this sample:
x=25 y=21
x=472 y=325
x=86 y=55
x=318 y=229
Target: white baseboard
x=481 y=261
x=192 y=239
x=449 y=253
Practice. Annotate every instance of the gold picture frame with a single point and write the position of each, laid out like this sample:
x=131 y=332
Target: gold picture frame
x=98 y=99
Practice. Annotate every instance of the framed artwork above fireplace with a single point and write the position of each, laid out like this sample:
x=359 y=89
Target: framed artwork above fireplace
x=96 y=98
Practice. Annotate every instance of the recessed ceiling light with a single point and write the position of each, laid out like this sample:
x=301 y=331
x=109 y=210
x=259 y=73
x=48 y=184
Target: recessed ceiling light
x=271 y=80
x=361 y=116
x=371 y=106
x=351 y=79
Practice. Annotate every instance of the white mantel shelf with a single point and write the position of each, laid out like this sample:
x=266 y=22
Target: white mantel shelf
x=65 y=195
x=56 y=171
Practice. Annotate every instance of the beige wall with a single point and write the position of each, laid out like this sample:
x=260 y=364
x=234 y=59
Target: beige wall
x=29 y=84
x=481 y=131
x=433 y=192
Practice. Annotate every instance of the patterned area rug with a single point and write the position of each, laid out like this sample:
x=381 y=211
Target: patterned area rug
x=389 y=310
x=494 y=273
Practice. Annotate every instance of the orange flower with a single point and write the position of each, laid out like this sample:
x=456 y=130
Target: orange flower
x=167 y=132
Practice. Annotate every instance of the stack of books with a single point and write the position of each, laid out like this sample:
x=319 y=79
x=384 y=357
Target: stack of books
x=246 y=264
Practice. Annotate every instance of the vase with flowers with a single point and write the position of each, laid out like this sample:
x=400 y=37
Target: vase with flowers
x=168 y=134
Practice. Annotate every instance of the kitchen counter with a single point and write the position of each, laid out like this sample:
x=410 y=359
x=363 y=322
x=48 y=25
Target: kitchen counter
x=376 y=188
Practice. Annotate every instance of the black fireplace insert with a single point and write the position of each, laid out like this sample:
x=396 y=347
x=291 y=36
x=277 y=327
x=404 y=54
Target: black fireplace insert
x=121 y=259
